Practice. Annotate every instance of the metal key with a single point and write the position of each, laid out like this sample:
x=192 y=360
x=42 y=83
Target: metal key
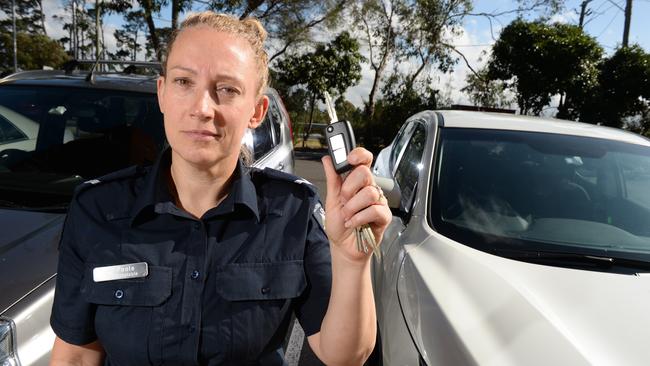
x=340 y=141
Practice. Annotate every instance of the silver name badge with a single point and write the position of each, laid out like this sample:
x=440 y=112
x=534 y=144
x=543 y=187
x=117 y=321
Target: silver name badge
x=120 y=272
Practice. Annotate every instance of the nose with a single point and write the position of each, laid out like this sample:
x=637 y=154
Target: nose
x=204 y=106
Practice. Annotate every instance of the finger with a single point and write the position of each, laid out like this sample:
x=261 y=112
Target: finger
x=367 y=196
x=360 y=156
x=334 y=180
x=374 y=215
x=357 y=179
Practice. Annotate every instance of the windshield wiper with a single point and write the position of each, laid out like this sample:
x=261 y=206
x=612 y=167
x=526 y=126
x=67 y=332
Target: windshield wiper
x=581 y=260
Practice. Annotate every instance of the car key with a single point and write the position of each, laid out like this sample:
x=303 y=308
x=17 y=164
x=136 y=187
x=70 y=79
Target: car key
x=340 y=138
x=340 y=141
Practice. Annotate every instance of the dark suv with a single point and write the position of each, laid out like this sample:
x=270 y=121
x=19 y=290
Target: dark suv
x=57 y=130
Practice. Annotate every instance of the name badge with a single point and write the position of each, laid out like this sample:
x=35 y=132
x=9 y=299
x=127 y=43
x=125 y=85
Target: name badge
x=120 y=272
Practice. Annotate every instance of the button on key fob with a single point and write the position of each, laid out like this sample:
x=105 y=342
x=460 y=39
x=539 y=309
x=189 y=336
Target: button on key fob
x=340 y=138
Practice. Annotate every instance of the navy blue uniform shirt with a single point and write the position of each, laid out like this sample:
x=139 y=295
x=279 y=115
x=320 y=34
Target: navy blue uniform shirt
x=220 y=289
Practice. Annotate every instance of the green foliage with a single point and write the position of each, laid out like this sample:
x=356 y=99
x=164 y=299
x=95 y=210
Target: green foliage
x=540 y=60
x=335 y=66
x=401 y=100
x=29 y=16
x=624 y=87
x=34 y=52
x=485 y=92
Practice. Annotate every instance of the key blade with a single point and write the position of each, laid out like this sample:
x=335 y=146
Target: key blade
x=330 y=108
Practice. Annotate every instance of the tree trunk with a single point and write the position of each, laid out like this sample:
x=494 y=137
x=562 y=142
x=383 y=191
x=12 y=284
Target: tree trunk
x=147 y=6
x=97 y=5
x=305 y=135
x=175 y=10
x=40 y=8
x=379 y=71
x=628 y=18
x=250 y=7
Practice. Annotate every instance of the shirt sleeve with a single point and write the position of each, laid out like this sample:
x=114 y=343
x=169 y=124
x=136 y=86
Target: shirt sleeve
x=312 y=305
x=72 y=316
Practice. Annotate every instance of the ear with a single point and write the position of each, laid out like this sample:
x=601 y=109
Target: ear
x=160 y=91
x=261 y=108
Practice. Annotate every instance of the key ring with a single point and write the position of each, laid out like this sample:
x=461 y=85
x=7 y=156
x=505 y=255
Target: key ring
x=381 y=193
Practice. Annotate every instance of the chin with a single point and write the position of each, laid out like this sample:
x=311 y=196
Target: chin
x=202 y=156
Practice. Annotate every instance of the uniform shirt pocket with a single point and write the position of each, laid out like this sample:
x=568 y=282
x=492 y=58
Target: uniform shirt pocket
x=262 y=281
x=129 y=314
x=259 y=297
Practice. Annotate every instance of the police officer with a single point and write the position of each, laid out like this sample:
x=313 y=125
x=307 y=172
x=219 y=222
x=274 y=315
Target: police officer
x=201 y=260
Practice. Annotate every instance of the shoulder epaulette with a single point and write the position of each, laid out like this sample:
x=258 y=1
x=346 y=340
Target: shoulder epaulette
x=129 y=172
x=280 y=175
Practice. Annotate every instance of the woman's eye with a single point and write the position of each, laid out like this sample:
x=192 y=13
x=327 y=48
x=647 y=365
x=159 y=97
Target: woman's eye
x=227 y=90
x=182 y=81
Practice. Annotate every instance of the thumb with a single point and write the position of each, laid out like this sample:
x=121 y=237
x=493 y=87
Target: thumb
x=334 y=180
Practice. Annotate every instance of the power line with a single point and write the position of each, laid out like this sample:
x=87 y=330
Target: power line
x=607 y=26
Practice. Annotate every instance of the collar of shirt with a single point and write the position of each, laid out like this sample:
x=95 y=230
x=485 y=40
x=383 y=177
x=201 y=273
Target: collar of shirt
x=154 y=194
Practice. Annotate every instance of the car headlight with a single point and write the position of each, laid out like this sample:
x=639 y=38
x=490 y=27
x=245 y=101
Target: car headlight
x=8 y=355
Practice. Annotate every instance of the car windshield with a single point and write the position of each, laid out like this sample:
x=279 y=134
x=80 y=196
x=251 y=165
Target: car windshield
x=539 y=191
x=54 y=138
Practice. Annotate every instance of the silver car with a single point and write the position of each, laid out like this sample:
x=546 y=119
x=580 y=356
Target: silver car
x=84 y=126
x=514 y=241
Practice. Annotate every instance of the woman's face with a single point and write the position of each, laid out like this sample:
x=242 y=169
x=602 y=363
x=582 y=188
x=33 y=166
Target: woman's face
x=209 y=96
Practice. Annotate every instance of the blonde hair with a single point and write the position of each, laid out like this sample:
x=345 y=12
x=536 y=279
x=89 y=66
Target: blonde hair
x=249 y=29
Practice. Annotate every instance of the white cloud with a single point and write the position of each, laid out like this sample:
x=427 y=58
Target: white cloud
x=566 y=17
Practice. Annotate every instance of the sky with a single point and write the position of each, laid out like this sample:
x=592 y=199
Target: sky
x=605 y=24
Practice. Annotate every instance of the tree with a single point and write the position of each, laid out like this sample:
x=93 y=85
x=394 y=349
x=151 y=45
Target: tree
x=29 y=17
x=539 y=60
x=34 y=52
x=623 y=88
x=289 y=23
x=485 y=92
x=335 y=66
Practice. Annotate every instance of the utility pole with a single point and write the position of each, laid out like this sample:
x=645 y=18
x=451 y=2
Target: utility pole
x=584 y=12
x=628 y=18
x=13 y=16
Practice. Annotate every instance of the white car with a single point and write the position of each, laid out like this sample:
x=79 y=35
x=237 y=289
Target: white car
x=514 y=241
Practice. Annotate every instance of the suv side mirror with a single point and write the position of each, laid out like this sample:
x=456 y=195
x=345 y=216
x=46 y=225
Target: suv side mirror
x=391 y=191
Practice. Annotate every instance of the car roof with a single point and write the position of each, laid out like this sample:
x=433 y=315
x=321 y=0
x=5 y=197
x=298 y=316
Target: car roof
x=503 y=121
x=103 y=81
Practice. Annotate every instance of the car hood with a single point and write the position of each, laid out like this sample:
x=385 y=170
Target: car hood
x=488 y=310
x=28 y=252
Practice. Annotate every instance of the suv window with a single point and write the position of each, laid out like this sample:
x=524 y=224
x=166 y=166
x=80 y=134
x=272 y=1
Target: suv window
x=410 y=165
x=400 y=140
x=9 y=132
x=267 y=135
x=83 y=133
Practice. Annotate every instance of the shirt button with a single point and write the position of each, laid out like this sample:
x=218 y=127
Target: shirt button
x=197 y=226
x=119 y=294
x=195 y=274
x=265 y=290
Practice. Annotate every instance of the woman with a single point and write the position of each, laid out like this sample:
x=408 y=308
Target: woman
x=199 y=260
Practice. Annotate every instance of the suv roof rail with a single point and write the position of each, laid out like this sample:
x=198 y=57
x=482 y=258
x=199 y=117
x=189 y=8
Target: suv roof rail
x=130 y=68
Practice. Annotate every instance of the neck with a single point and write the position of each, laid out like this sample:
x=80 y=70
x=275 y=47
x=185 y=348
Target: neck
x=197 y=189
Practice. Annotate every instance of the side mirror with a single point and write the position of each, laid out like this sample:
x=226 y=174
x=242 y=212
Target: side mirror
x=391 y=191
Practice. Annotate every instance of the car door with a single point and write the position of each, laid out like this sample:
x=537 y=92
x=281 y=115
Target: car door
x=397 y=346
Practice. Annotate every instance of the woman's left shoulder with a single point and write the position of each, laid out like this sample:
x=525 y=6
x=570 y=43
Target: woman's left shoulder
x=280 y=181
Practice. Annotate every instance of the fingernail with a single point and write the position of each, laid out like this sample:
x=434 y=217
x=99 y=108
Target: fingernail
x=347 y=224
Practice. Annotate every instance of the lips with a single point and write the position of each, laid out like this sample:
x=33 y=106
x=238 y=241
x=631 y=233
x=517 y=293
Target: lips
x=203 y=135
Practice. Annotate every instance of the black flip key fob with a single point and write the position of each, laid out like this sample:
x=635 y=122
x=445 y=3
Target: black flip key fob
x=340 y=141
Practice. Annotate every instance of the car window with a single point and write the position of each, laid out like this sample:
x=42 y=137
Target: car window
x=544 y=190
x=263 y=141
x=9 y=132
x=80 y=134
x=398 y=144
x=410 y=165
x=276 y=121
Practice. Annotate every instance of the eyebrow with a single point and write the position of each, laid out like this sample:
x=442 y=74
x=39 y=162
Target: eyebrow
x=191 y=71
